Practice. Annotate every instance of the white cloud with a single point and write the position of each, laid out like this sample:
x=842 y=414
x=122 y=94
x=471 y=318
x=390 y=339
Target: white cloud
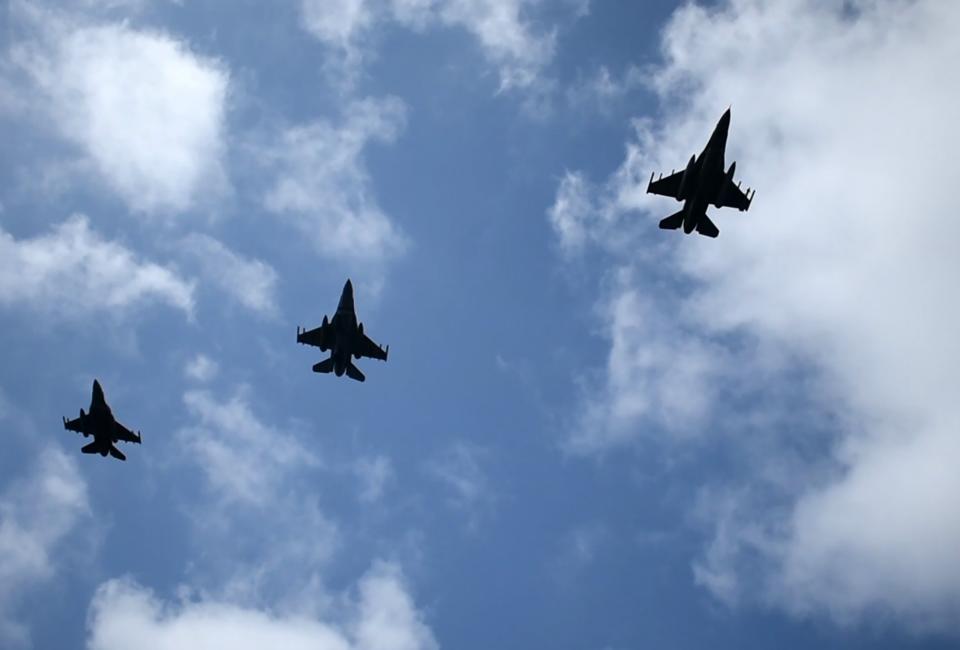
x=36 y=514
x=201 y=368
x=72 y=272
x=570 y=211
x=505 y=37
x=244 y=460
x=324 y=188
x=341 y=26
x=460 y=469
x=845 y=260
x=374 y=474
x=660 y=374
x=381 y=616
x=250 y=282
x=504 y=34
x=145 y=110
x=255 y=472
x=600 y=91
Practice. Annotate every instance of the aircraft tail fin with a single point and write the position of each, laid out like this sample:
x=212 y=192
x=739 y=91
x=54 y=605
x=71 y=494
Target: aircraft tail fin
x=116 y=453
x=707 y=228
x=92 y=448
x=672 y=222
x=323 y=366
x=354 y=373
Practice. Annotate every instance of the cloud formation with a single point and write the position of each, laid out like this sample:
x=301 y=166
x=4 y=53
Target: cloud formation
x=323 y=187
x=201 y=368
x=460 y=469
x=73 y=272
x=243 y=459
x=380 y=616
x=146 y=111
x=844 y=261
x=660 y=374
x=250 y=282
x=501 y=28
x=254 y=470
x=36 y=514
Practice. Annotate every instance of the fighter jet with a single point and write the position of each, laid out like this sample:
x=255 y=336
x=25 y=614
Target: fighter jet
x=100 y=424
x=343 y=336
x=701 y=183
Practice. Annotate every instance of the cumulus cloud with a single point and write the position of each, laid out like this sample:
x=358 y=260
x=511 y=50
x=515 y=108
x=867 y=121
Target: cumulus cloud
x=845 y=261
x=251 y=282
x=73 y=272
x=601 y=91
x=243 y=459
x=145 y=110
x=660 y=373
x=253 y=470
x=341 y=26
x=201 y=368
x=373 y=473
x=381 y=615
x=37 y=513
x=501 y=28
x=506 y=38
x=323 y=186
x=460 y=469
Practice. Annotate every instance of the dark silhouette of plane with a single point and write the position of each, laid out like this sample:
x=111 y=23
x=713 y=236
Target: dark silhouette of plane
x=343 y=336
x=703 y=182
x=100 y=424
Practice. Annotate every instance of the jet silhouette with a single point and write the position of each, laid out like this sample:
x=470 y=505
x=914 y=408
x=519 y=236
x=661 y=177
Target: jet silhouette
x=343 y=336
x=100 y=424
x=701 y=183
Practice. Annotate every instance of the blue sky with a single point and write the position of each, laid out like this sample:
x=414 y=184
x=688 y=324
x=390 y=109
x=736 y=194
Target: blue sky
x=590 y=433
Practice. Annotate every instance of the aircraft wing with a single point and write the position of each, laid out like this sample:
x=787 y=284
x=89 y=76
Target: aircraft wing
x=669 y=186
x=121 y=432
x=73 y=425
x=733 y=197
x=369 y=349
x=321 y=337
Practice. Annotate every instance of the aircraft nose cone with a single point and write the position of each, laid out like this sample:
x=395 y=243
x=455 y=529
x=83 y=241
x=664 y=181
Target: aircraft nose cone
x=346 y=298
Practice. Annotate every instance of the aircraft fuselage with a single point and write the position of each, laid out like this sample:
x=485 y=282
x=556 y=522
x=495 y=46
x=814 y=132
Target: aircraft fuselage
x=707 y=176
x=99 y=422
x=344 y=324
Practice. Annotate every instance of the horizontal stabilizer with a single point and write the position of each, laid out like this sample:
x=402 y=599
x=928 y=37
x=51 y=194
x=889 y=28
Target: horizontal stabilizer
x=707 y=228
x=116 y=453
x=92 y=448
x=672 y=222
x=354 y=373
x=323 y=366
